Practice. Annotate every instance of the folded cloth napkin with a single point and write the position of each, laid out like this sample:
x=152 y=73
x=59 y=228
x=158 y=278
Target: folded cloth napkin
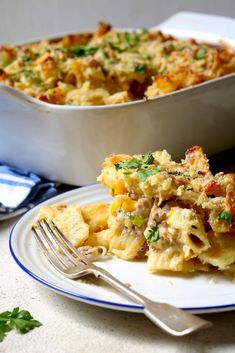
x=20 y=191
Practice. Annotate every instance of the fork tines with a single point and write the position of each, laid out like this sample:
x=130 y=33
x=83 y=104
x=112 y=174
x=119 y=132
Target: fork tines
x=72 y=264
x=54 y=243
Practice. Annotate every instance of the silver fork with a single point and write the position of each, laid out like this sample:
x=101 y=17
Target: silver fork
x=73 y=264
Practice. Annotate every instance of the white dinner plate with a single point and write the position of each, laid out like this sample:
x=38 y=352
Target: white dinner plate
x=198 y=293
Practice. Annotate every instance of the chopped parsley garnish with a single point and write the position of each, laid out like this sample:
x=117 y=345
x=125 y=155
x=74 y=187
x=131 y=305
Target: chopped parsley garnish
x=225 y=216
x=31 y=75
x=148 y=158
x=140 y=68
x=143 y=174
x=115 y=47
x=21 y=320
x=132 y=38
x=200 y=54
x=26 y=59
x=36 y=55
x=128 y=36
x=133 y=163
x=153 y=235
x=82 y=50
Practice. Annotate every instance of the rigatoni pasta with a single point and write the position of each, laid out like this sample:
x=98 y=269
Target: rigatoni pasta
x=177 y=214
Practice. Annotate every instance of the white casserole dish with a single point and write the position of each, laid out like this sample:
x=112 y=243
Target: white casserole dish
x=69 y=143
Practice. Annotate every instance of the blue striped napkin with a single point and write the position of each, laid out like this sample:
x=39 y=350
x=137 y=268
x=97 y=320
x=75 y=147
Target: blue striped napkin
x=20 y=191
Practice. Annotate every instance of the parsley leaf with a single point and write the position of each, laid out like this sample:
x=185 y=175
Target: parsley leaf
x=225 y=216
x=200 y=54
x=140 y=68
x=143 y=174
x=128 y=37
x=83 y=50
x=21 y=320
x=148 y=158
x=31 y=75
x=153 y=235
x=133 y=163
x=115 y=47
x=3 y=330
x=132 y=38
x=26 y=59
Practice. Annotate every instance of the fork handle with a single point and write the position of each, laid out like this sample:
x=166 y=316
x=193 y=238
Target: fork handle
x=171 y=319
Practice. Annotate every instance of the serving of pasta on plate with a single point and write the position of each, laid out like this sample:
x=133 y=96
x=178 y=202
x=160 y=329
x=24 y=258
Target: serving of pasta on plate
x=177 y=215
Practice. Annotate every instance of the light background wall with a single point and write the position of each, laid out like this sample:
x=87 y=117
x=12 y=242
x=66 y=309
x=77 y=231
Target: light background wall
x=26 y=19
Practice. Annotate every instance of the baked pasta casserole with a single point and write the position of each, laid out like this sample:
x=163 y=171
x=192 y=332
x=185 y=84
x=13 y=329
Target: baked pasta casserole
x=110 y=66
x=178 y=215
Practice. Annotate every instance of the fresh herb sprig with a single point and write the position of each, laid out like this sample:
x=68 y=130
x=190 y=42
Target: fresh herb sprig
x=148 y=158
x=82 y=50
x=140 y=68
x=143 y=174
x=139 y=165
x=153 y=235
x=225 y=216
x=135 y=163
x=201 y=53
x=20 y=320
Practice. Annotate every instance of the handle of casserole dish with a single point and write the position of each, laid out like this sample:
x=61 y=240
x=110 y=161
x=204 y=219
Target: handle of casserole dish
x=200 y=26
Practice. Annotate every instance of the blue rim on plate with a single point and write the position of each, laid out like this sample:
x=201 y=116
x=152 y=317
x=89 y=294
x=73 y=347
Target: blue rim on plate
x=98 y=302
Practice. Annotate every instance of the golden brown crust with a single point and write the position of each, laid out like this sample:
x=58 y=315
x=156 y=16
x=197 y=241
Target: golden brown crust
x=102 y=28
x=111 y=67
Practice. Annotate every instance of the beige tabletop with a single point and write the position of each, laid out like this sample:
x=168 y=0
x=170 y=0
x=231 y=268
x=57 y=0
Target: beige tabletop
x=70 y=326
